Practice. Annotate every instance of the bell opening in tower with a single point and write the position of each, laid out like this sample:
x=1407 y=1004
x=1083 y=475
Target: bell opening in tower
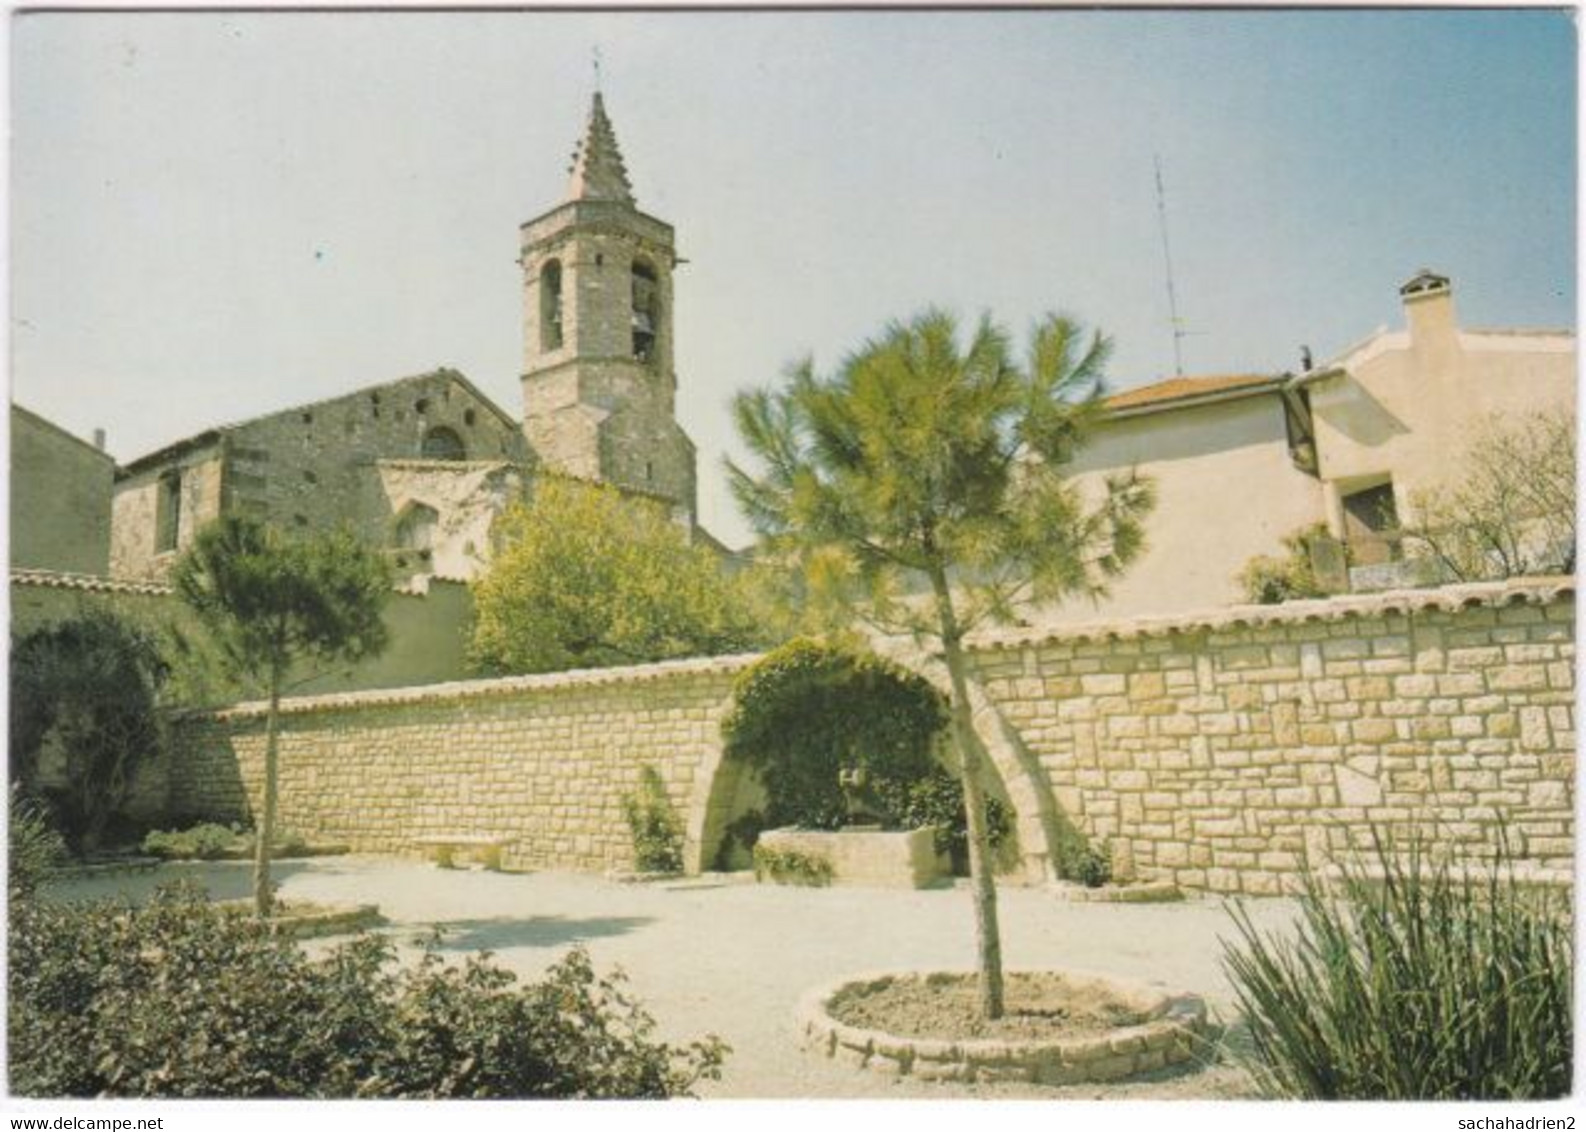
x=551 y=306
x=646 y=310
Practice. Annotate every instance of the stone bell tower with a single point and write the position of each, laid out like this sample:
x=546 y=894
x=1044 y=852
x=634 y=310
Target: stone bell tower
x=599 y=391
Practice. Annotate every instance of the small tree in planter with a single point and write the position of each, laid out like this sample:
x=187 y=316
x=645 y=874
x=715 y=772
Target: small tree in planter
x=273 y=604
x=929 y=461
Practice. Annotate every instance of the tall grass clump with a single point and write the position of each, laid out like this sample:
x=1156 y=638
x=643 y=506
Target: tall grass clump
x=1411 y=978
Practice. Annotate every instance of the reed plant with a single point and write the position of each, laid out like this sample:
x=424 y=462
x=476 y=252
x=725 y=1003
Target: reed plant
x=1411 y=976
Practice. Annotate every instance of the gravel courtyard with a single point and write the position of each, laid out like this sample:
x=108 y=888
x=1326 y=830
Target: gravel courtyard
x=718 y=955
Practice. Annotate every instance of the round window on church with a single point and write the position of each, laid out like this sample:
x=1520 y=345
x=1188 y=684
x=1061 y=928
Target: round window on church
x=441 y=443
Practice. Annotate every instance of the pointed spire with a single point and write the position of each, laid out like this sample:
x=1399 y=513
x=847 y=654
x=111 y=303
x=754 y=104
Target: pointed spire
x=597 y=169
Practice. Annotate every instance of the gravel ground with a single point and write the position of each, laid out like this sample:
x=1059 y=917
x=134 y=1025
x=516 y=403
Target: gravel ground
x=717 y=955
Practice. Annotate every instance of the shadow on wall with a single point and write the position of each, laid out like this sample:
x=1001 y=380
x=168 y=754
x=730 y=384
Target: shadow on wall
x=534 y=931
x=1362 y=418
x=204 y=776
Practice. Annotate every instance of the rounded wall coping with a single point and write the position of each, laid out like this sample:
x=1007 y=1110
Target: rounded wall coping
x=90 y=583
x=1449 y=599
x=1445 y=599
x=484 y=689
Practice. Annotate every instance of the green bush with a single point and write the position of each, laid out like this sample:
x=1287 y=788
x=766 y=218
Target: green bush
x=1266 y=580
x=207 y=841
x=1093 y=868
x=657 y=834
x=807 y=710
x=789 y=866
x=1411 y=981
x=178 y=999
x=937 y=800
x=92 y=683
x=35 y=846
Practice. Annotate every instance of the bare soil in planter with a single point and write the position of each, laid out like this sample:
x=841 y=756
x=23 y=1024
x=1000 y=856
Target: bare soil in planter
x=947 y=1007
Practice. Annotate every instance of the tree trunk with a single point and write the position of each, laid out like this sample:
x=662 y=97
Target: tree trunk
x=264 y=833
x=982 y=884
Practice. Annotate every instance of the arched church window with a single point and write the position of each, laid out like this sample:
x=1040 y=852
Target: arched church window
x=441 y=443
x=415 y=528
x=551 y=306
x=646 y=310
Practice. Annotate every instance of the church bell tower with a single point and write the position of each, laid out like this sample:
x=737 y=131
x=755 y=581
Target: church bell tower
x=599 y=390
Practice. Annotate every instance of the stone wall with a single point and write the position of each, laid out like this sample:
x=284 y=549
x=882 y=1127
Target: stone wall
x=546 y=759
x=318 y=467
x=1224 y=752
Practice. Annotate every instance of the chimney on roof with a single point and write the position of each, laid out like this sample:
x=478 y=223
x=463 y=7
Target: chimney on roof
x=99 y=439
x=1305 y=359
x=1429 y=311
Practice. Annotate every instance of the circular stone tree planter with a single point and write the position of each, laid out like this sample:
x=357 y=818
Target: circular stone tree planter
x=1170 y=1029
x=303 y=920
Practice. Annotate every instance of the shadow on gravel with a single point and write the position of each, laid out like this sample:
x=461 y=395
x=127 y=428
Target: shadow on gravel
x=534 y=931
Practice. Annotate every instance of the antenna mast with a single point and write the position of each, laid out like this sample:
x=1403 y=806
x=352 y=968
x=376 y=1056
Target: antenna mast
x=1167 y=258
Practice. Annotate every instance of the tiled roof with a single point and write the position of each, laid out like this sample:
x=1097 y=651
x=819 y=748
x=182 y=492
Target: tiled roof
x=88 y=583
x=1184 y=388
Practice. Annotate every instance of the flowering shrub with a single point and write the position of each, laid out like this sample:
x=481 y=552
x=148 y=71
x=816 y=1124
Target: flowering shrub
x=178 y=999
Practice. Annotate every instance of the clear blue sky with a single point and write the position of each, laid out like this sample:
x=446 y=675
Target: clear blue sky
x=220 y=215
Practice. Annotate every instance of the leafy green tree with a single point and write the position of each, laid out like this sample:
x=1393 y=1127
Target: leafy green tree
x=582 y=577
x=92 y=683
x=1270 y=580
x=1511 y=510
x=274 y=605
x=924 y=463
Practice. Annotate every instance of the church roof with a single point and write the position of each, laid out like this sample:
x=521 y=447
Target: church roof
x=597 y=170
x=210 y=435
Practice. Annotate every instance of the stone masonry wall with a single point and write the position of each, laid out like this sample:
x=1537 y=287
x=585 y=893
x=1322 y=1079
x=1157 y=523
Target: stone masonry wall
x=1224 y=752
x=546 y=760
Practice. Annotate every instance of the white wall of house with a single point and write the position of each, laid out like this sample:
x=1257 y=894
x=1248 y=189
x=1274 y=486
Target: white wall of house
x=1405 y=405
x=1226 y=491
x=1399 y=408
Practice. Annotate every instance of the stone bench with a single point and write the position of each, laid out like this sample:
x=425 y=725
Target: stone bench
x=443 y=848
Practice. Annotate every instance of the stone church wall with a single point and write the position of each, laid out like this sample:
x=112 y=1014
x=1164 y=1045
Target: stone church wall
x=1223 y=753
x=312 y=467
x=135 y=511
